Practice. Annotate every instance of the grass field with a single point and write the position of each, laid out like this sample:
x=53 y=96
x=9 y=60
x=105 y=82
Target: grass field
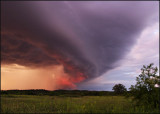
x=55 y=104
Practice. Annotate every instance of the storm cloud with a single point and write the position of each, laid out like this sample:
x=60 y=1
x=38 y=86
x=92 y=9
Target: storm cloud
x=87 y=38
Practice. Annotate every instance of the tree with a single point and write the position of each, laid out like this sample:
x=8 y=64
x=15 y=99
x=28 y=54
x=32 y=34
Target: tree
x=146 y=91
x=119 y=89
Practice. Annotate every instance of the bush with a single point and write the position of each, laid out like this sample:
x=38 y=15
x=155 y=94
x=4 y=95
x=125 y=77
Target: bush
x=145 y=91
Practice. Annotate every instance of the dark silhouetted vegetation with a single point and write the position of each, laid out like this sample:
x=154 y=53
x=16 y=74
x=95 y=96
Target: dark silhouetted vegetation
x=71 y=93
x=119 y=89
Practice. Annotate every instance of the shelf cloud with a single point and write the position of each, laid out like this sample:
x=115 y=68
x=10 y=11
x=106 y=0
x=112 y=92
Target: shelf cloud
x=86 y=38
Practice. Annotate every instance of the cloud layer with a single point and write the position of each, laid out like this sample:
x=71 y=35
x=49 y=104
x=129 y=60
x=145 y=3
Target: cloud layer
x=87 y=38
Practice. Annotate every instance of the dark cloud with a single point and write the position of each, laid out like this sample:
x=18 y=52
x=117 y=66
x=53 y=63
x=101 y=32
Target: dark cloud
x=14 y=50
x=87 y=37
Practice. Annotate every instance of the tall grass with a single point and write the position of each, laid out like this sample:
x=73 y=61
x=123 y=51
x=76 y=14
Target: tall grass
x=55 y=104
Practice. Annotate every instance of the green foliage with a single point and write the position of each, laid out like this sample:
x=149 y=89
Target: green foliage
x=145 y=91
x=57 y=104
x=119 y=89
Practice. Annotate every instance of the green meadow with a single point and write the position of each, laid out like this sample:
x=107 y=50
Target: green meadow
x=65 y=104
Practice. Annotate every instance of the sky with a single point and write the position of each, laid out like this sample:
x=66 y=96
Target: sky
x=89 y=45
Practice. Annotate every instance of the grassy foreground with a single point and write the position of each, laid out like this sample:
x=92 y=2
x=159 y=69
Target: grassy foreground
x=56 y=104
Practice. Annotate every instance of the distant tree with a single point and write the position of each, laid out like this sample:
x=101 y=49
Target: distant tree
x=119 y=89
x=146 y=90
